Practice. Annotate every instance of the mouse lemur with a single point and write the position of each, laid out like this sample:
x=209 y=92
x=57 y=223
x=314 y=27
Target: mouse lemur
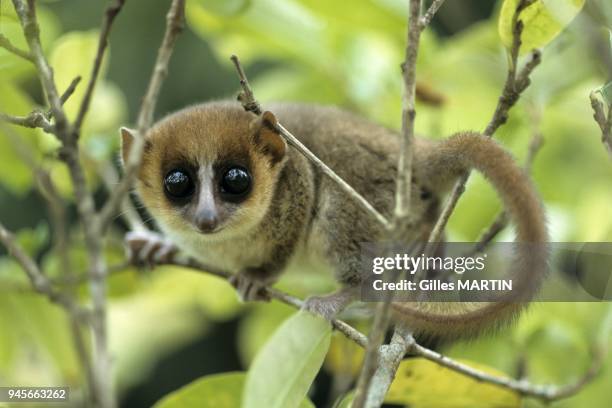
x=226 y=189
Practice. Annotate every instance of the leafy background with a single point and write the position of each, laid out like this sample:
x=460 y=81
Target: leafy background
x=170 y=326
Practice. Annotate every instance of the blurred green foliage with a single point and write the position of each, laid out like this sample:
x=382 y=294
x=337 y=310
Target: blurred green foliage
x=328 y=52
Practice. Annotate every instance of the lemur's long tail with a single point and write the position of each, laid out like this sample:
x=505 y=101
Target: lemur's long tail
x=527 y=269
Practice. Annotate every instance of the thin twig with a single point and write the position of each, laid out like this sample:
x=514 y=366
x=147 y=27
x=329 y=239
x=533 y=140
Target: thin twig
x=57 y=215
x=175 y=21
x=433 y=9
x=102 y=391
x=37 y=118
x=545 y=393
x=110 y=178
x=343 y=327
x=109 y=16
x=604 y=122
x=372 y=362
x=68 y=92
x=379 y=367
x=501 y=220
x=40 y=282
x=498 y=225
x=250 y=104
x=514 y=85
x=246 y=97
x=7 y=45
x=407 y=345
x=404 y=166
x=31 y=30
x=69 y=152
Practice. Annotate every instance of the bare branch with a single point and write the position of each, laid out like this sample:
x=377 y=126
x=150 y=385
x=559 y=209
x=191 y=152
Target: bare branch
x=372 y=362
x=250 y=104
x=404 y=166
x=350 y=332
x=69 y=152
x=497 y=226
x=175 y=20
x=402 y=343
x=605 y=123
x=40 y=282
x=246 y=97
x=31 y=30
x=379 y=367
x=502 y=219
x=433 y=9
x=110 y=178
x=522 y=387
x=37 y=118
x=7 y=45
x=514 y=85
x=391 y=356
x=68 y=92
x=109 y=17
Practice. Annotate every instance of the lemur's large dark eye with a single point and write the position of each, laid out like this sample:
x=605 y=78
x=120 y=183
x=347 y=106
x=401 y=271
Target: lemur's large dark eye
x=235 y=182
x=178 y=184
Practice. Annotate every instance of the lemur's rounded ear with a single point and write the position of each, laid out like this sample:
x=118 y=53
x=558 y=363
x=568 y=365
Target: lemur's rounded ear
x=127 y=139
x=268 y=137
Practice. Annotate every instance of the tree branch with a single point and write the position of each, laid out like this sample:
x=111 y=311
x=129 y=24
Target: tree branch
x=379 y=367
x=110 y=178
x=604 y=121
x=40 y=282
x=514 y=85
x=343 y=327
x=546 y=393
x=404 y=166
x=391 y=356
x=109 y=16
x=250 y=104
x=37 y=118
x=7 y=45
x=433 y=9
x=403 y=343
x=31 y=30
x=502 y=219
x=175 y=20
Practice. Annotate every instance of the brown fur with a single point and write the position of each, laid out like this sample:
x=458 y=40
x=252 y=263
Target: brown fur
x=294 y=209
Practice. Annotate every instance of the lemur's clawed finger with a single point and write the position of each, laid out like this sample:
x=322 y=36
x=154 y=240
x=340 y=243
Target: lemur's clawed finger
x=146 y=248
x=249 y=290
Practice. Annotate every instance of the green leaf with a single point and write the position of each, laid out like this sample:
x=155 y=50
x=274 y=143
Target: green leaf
x=543 y=21
x=215 y=391
x=258 y=326
x=287 y=365
x=421 y=383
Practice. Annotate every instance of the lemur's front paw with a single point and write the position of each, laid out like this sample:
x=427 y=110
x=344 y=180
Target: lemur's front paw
x=146 y=248
x=249 y=287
